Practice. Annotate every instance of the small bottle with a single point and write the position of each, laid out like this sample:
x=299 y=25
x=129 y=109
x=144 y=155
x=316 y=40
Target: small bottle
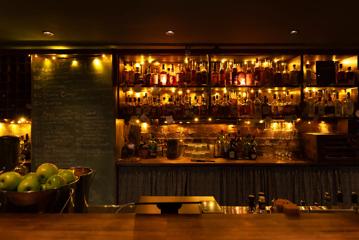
x=234 y=75
x=204 y=77
x=222 y=75
x=241 y=76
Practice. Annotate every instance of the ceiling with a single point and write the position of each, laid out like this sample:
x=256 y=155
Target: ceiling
x=115 y=22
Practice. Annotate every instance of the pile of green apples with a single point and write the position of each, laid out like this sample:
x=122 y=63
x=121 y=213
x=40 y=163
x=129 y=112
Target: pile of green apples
x=47 y=176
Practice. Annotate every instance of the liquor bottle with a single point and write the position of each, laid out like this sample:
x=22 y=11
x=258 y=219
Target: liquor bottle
x=163 y=76
x=181 y=75
x=148 y=76
x=329 y=109
x=222 y=75
x=338 y=107
x=241 y=76
x=310 y=105
x=169 y=77
x=188 y=73
x=278 y=77
x=204 y=74
x=341 y=75
x=319 y=107
x=280 y=104
x=249 y=76
x=173 y=81
x=131 y=74
x=155 y=78
x=215 y=75
x=348 y=106
x=228 y=74
x=257 y=73
x=217 y=148
x=266 y=108
x=198 y=75
x=350 y=76
x=232 y=149
x=257 y=106
x=274 y=106
x=234 y=75
x=294 y=75
x=137 y=76
x=126 y=73
x=285 y=75
x=268 y=74
x=194 y=73
x=308 y=75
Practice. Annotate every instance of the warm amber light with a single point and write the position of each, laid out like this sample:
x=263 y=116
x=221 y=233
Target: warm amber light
x=53 y=57
x=47 y=62
x=137 y=121
x=196 y=119
x=180 y=92
x=21 y=120
x=74 y=63
x=261 y=121
x=97 y=63
x=209 y=119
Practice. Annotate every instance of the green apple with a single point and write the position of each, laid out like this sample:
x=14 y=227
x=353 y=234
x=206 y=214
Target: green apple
x=54 y=182
x=68 y=175
x=9 y=181
x=46 y=170
x=29 y=184
x=31 y=175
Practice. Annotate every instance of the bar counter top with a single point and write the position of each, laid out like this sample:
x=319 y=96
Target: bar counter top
x=338 y=226
x=185 y=161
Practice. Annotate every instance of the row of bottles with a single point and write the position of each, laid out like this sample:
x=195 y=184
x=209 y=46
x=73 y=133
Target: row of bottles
x=254 y=105
x=224 y=73
x=254 y=73
x=186 y=105
x=235 y=147
x=233 y=104
x=183 y=74
x=327 y=103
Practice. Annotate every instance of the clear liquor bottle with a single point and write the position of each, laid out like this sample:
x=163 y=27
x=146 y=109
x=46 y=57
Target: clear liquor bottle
x=329 y=107
x=348 y=106
x=222 y=75
x=338 y=106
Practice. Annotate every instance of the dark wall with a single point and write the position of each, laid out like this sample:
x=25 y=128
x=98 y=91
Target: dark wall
x=73 y=119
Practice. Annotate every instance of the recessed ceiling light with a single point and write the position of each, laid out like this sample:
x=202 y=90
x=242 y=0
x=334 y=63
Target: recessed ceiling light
x=48 y=33
x=293 y=32
x=170 y=33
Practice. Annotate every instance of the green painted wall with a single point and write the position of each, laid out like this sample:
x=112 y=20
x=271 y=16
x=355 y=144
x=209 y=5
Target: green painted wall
x=73 y=117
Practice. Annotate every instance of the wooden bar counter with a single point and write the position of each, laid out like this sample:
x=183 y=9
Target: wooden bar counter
x=335 y=226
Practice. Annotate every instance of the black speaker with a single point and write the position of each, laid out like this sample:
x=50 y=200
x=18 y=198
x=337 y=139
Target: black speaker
x=325 y=73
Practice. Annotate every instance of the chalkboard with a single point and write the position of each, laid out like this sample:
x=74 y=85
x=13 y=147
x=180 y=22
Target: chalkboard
x=73 y=117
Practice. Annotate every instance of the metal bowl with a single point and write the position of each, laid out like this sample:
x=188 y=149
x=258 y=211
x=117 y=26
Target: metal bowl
x=51 y=200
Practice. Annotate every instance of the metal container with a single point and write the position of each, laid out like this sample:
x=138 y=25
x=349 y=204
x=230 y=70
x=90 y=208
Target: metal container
x=81 y=195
